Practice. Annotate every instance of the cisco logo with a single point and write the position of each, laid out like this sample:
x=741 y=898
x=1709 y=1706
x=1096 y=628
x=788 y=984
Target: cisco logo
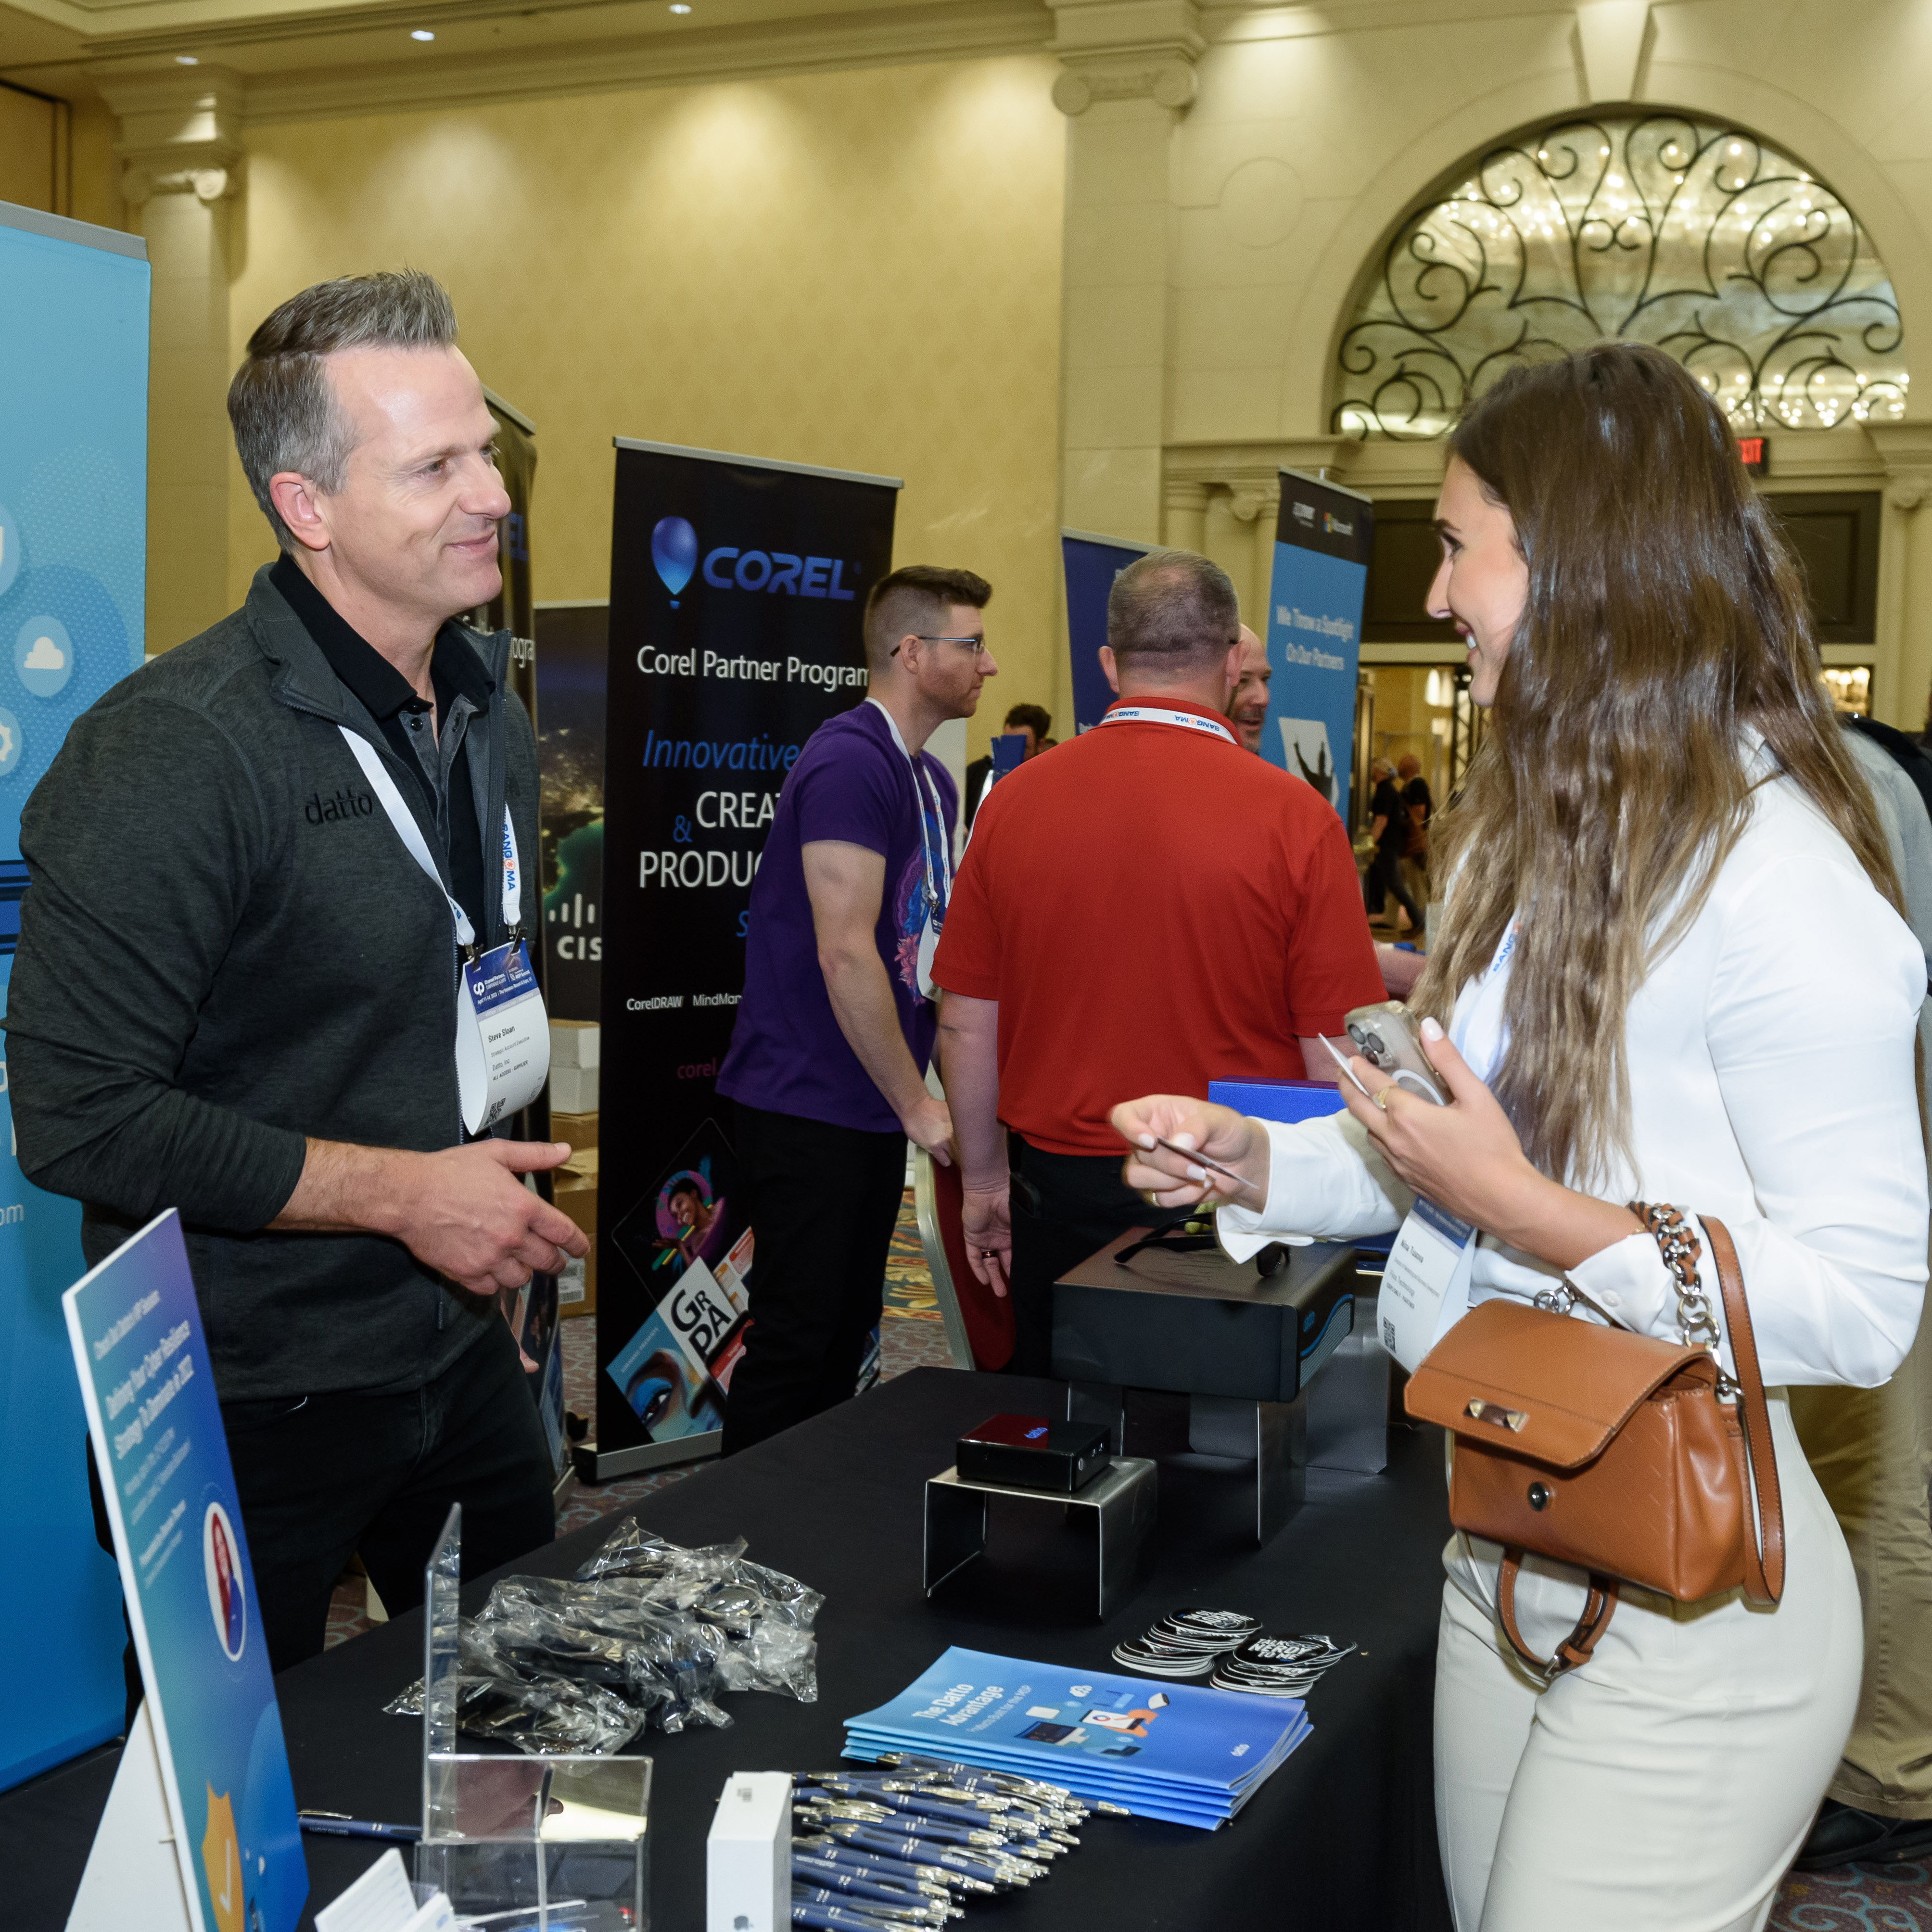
x=674 y=549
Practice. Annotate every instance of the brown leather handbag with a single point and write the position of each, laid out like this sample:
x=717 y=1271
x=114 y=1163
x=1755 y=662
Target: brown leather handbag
x=1632 y=1459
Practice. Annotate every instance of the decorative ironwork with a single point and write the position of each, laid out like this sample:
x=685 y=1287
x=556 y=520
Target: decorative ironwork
x=1701 y=238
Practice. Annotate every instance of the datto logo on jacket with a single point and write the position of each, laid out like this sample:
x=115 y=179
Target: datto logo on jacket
x=674 y=548
x=338 y=805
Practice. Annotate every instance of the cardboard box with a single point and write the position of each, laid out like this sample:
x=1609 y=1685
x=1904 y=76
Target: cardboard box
x=573 y=1089
x=580 y=1130
x=577 y=1197
x=574 y=1043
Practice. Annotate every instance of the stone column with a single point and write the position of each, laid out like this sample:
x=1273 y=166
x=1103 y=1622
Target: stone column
x=1903 y=672
x=1257 y=504
x=180 y=149
x=1128 y=75
x=1185 y=525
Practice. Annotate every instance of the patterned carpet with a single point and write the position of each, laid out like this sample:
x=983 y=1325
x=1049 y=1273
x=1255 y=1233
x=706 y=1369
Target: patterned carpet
x=1857 y=1898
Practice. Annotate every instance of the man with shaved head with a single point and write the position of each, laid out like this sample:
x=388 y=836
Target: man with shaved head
x=1148 y=910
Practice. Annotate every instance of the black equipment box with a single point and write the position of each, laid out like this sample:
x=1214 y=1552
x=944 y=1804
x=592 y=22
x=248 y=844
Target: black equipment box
x=1200 y=1323
x=1032 y=1452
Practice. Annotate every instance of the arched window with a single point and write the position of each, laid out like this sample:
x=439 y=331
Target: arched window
x=1660 y=228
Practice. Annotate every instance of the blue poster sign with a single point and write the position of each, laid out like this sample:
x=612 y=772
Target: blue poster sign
x=1091 y=564
x=149 y=1393
x=73 y=344
x=1322 y=541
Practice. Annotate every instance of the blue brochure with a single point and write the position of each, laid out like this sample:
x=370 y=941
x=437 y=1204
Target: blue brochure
x=149 y=1394
x=1162 y=1749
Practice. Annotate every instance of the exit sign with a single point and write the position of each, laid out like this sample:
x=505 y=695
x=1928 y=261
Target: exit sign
x=1754 y=452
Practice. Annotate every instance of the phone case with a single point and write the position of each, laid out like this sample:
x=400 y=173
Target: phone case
x=1385 y=1036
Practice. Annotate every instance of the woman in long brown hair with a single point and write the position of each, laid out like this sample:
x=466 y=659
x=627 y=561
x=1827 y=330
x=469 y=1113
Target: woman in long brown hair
x=1668 y=967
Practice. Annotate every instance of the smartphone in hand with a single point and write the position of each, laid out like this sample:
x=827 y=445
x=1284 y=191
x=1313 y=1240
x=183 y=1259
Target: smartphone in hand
x=1387 y=1037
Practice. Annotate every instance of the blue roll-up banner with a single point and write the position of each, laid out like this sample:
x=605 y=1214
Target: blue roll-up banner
x=1322 y=540
x=737 y=589
x=74 y=460
x=216 y=1732
x=1091 y=563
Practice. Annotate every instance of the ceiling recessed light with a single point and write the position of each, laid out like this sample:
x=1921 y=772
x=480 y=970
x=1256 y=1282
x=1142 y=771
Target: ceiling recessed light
x=421 y=33
x=679 y=7
x=187 y=60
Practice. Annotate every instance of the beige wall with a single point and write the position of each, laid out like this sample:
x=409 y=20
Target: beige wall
x=859 y=269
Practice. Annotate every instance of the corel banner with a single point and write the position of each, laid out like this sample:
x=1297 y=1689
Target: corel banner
x=737 y=586
x=1322 y=539
x=1091 y=564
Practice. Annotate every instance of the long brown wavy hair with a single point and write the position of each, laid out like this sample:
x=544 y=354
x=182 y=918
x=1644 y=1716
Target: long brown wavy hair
x=1664 y=615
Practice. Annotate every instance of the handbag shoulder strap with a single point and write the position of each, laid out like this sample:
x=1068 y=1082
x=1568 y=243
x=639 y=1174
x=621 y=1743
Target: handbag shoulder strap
x=1764 y=1573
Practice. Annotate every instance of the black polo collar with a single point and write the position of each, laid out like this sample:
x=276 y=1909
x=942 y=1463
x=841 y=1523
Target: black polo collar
x=455 y=669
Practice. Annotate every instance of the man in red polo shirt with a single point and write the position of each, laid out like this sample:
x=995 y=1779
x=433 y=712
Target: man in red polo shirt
x=1145 y=910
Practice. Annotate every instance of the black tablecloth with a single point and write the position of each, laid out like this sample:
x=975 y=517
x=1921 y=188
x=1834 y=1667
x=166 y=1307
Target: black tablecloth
x=1343 y=1833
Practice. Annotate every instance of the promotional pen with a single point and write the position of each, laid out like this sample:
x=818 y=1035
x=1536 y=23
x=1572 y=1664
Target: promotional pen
x=803 y=1913
x=899 y=1914
x=975 y=1875
x=339 y=1825
x=823 y=1872
x=885 y=1871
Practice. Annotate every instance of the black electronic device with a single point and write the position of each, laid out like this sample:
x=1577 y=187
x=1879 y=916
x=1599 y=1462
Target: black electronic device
x=1032 y=1452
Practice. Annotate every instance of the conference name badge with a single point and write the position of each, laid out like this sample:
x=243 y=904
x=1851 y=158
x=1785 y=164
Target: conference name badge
x=1426 y=1285
x=502 y=1036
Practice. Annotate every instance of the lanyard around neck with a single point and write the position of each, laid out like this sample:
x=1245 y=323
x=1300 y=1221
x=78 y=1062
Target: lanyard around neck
x=932 y=831
x=410 y=833
x=1159 y=714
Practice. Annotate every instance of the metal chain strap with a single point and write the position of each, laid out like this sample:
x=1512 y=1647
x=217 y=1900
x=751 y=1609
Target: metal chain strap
x=1682 y=1251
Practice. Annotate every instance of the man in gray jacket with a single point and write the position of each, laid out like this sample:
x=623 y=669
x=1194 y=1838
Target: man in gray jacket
x=235 y=990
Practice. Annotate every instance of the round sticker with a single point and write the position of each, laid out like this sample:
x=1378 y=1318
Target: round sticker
x=9 y=549
x=44 y=656
x=221 y=1559
x=10 y=741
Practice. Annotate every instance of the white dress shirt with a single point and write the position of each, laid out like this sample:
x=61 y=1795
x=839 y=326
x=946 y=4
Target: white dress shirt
x=1771 y=1083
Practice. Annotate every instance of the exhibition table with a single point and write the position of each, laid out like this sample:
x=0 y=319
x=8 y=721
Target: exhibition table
x=1342 y=1834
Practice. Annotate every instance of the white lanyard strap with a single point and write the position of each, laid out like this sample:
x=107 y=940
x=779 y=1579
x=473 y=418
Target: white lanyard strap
x=931 y=826
x=1156 y=714
x=410 y=833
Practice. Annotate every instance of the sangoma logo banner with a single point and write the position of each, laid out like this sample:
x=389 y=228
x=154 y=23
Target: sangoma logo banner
x=737 y=591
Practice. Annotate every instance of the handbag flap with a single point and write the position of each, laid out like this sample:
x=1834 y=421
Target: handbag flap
x=1538 y=1385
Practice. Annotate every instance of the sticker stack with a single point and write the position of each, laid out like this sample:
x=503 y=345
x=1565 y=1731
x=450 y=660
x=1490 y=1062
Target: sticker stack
x=1186 y=1643
x=1277 y=1666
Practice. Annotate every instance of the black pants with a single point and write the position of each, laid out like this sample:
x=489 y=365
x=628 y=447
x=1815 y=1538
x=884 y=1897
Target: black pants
x=1387 y=873
x=824 y=1201
x=323 y=1476
x=1064 y=1206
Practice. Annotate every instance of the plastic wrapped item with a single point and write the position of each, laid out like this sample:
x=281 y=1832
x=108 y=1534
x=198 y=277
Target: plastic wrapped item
x=764 y=1617
x=646 y=1633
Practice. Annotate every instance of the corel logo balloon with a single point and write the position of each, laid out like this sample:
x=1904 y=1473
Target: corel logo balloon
x=674 y=551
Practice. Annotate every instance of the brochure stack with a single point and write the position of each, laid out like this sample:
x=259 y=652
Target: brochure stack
x=1174 y=1751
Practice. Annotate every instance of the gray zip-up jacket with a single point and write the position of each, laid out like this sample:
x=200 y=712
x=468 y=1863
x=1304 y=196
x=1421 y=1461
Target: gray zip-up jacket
x=224 y=948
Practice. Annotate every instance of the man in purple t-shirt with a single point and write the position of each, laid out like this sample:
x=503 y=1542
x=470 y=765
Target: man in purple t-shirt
x=827 y=1070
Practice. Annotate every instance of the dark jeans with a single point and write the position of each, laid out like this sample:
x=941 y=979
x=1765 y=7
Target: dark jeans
x=1387 y=873
x=1064 y=1206
x=323 y=1476
x=824 y=1201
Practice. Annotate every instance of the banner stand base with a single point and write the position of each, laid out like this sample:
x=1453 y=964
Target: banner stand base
x=595 y=1466
x=132 y=1877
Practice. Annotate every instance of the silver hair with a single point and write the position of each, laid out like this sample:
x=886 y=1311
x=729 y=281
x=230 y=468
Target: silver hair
x=284 y=410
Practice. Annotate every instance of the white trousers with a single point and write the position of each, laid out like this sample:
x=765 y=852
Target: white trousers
x=1667 y=1784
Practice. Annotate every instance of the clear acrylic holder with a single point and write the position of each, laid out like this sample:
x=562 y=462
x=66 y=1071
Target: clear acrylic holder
x=522 y=1844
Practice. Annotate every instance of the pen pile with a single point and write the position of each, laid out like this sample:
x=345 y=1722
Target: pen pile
x=910 y=1840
